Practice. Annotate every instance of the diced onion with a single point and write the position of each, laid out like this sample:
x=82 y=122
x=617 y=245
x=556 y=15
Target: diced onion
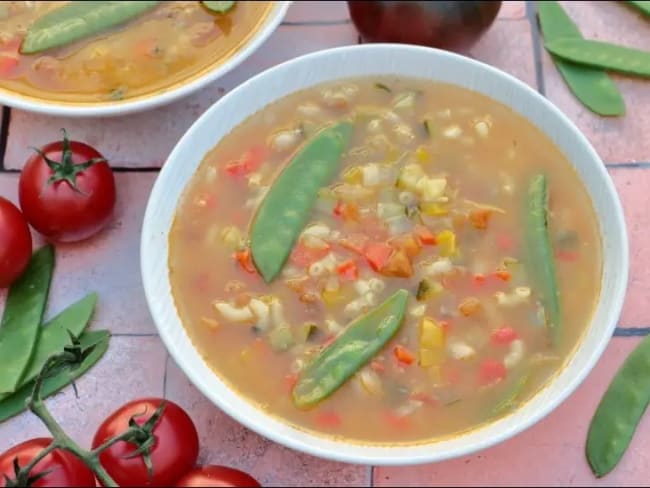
x=399 y=225
x=361 y=287
x=388 y=210
x=460 y=350
x=285 y=140
x=440 y=266
x=515 y=354
x=376 y=285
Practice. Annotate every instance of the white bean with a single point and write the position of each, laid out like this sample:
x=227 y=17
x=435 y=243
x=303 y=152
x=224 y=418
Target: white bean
x=285 y=140
x=452 y=132
x=460 y=350
x=440 y=266
x=362 y=287
x=376 y=285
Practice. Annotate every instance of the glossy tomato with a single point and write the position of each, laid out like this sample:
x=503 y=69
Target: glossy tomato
x=211 y=475
x=15 y=243
x=173 y=453
x=64 y=469
x=67 y=191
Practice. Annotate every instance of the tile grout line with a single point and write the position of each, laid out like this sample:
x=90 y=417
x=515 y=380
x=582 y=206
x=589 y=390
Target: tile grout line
x=371 y=476
x=4 y=135
x=631 y=331
x=537 y=50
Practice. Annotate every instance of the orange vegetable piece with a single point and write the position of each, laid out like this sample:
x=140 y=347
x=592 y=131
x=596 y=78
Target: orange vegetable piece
x=348 y=270
x=347 y=211
x=403 y=355
x=503 y=274
x=425 y=236
x=245 y=261
x=398 y=265
x=408 y=244
x=470 y=306
x=480 y=218
x=377 y=255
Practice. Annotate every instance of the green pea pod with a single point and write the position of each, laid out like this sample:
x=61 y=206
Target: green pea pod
x=54 y=335
x=285 y=209
x=15 y=403
x=591 y=86
x=619 y=411
x=77 y=20
x=361 y=340
x=218 y=7
x=540 y=253
x=642 y=5
x=22 y=318
x=602 y=55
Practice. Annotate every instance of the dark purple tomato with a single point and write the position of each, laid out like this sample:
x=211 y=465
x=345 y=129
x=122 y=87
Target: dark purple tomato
x=454 y=26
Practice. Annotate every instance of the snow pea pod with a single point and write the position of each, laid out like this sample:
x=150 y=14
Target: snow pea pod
x=22 y=318
x=77 y=20
x=591 y=86
x=642 y=5
x=619 y=411
x=218 y=7
x=602 y=55
x=54 y=335
x=286 y=207
x=360 y=341
x=15 y=403
x=540 y=253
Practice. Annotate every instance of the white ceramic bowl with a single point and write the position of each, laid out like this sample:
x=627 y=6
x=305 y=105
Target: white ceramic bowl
x=159 y=98
x=363 y=60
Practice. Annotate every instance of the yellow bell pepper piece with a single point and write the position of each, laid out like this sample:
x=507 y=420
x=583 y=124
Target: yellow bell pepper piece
x=433 y=209
x=432 y=343
x=422 y=155
x=446 y=243
x=353 y=175
x=331 y=297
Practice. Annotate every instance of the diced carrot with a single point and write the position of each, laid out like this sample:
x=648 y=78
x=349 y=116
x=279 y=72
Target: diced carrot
x=304 y=256
x=347 y=211
x=399 y=422
x=403 y=355
x=424 y=235
x=290 y=381
x=503 y=274
x=245 y=261
x=348 y=270
x=249 y=162
x=355 y=243
x=491 y=371
x=7 y=65
x=377 y=367
x=469 y=306
x=377 y=255
x=505 y=242
x=408 y=244
x=503 y=335
x=566 y=255
x=480 y=218
x=398 y=264
x=328 y=419
x=479 y=279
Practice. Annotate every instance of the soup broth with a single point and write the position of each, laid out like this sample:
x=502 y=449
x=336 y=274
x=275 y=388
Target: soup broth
x=163 y=46
x=434 y=194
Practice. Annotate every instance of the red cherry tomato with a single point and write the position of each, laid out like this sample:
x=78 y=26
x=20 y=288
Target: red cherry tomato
x=67 y=191
x=15 y=243
x=64 y=468
x=212 y=475
x=174 y=452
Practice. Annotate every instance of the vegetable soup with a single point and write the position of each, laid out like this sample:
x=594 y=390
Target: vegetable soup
x=96 y=51
x=386 y=260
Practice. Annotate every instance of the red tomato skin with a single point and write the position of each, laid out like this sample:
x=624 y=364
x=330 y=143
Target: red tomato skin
x=15 y=243
x=65 y=469
x=211 y=475
x=57 y=210
x=175 y=450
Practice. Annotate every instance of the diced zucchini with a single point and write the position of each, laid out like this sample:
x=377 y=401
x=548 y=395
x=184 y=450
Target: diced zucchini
x=427 y=289
x=281 y=338
x=306 y=332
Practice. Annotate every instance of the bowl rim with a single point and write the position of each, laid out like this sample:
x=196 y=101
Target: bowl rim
x=404 y=454
x=273 y=20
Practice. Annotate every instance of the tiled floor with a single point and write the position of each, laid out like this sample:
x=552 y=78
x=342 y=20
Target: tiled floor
x=550 y=453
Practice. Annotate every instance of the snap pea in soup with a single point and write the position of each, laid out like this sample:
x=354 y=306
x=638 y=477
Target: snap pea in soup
x=96 y=51
x=385 y=260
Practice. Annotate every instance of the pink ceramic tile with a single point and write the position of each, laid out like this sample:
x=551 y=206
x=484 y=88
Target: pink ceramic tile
x=315 y=12
x=507 y=45
x=632 y=186
x=616 y=139
x=131 y=368
x=108 y=263
x=146 y=139
x=551 y=453
x=512 y=10
x=226 y=442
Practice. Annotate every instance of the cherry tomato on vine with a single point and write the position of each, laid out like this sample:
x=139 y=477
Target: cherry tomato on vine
x=211 y=475
x=15 y=243
x=172 y=453
x=67 y=191
x=63 y=468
